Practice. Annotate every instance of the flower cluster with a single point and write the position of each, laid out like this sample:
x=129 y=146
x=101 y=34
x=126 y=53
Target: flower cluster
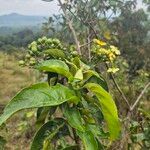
x=44 y=43
x=41 y=49
x=106 y=53
x=113 y=70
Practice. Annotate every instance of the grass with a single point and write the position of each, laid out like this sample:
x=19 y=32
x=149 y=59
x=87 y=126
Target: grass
x=12 y=79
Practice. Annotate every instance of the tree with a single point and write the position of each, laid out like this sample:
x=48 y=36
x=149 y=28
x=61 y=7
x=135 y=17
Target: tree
x=132 y=33
x=48 y=26
x=75 y=86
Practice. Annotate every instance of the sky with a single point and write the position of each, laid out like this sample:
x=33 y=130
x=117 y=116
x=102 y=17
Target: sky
x=33 y=7
x=29 y=7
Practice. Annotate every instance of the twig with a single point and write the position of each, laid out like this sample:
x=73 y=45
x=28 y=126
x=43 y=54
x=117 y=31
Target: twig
x=89 y=42
x=128 y=118
x=119 y=89
x=85 y=23
x=140 y=96
x=69 y=22
x=89 y=47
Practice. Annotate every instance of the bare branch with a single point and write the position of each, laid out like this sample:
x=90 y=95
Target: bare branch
x=89 y=46
x=140 y=96
x=118 y=88
x=86 y=23
x=89 y=42
x=69 y=22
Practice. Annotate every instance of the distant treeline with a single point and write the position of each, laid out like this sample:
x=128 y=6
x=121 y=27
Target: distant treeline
x=16 y=39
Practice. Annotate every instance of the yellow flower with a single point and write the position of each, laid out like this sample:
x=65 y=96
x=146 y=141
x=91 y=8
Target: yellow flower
x=107 y=35
x=115 y=50
x=103 y=51
x=113 y=70
x=101 y=43
x=111 y=56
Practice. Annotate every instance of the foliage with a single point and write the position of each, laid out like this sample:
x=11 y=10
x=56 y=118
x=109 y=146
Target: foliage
x=72 y=92
x=2 y=143
x=132 y=27
x=140 y=129
x=18 y=39
x=75 y=104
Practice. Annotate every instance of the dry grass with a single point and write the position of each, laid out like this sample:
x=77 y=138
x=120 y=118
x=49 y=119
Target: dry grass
x=12 y=79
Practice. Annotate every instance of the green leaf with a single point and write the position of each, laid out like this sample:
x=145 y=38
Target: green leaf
x=99 y=81
x=46 y=133
x=138 y=137
x=84 y=66
x=72 y=147
x=93 y=77
x=76 y=61
x=79 y=75
x=56 y=66
x=42 y=113
x=72 y=66
x=38 y=95
x=2 y=143
x=89 y=141
x=108 y=108
x=74 y=118
x=90 y=73
x=56 y=53
x=97 y=131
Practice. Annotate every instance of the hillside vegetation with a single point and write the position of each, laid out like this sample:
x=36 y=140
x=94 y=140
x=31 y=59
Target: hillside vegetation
x=82 y=78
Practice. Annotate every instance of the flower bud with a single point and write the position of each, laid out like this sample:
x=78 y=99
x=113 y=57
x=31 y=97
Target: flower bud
x=21 y=62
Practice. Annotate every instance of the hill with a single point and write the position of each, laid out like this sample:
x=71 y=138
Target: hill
x=18 y=20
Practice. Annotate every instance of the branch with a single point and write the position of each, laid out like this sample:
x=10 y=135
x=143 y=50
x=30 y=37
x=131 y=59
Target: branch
x=120 y=91
x=118 y=88
x=92 y=28
x=140 y=96
x=89 y=46
x=85 y=23
x=89 y=42
x=116 y=84
x=69 y=22
x=128 y=118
